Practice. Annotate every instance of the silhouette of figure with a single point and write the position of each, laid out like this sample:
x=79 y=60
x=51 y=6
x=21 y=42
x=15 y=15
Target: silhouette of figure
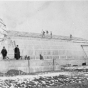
x=17 y=53
x=47 y=32
x=41 y=57
x=51 y=34
x=70 y=36
x=43 y=34
x=4 y=52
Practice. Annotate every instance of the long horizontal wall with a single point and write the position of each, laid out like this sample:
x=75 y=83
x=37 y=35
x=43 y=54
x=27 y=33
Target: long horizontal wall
x=6 y=65
x=31 y=66
x=28 y=66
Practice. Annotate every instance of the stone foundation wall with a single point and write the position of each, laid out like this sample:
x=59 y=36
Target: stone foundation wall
x=6 y=65
x=32 y=66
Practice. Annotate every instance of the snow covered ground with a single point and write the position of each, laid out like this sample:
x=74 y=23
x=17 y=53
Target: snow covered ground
x=46 y=74
x=46 y=79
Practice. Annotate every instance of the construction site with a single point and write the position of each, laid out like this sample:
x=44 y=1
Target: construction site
x=64 y=62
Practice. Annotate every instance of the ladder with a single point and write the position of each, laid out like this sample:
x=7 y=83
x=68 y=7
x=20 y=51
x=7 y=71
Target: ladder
x=84 y=50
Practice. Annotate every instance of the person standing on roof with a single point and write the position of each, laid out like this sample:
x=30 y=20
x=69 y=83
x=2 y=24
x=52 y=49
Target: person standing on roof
x=4 y=52
x=17 y=53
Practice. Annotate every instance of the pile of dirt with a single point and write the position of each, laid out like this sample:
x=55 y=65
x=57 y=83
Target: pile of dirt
x=14 y=72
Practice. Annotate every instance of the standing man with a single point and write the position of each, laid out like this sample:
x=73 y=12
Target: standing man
x=41 y=57
x=4 y=53
x=17 y=52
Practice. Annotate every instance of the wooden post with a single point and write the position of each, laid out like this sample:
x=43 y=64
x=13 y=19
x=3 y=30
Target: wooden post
x=53 y=64
x=29 y=64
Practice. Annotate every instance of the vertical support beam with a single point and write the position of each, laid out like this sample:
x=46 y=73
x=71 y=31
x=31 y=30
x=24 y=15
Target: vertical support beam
x=53 y=64
x=34 y=52
x=84 y=51
x=29 y=64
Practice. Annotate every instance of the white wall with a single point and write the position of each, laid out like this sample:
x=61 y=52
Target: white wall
x=64 y=51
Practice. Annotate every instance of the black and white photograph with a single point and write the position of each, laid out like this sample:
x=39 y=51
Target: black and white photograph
x=44 y=44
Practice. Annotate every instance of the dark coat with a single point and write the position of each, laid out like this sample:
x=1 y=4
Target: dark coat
x=4 y=52
x=41 y=57
x=17 y=53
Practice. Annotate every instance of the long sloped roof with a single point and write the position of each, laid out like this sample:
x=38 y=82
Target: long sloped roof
x=39 y=35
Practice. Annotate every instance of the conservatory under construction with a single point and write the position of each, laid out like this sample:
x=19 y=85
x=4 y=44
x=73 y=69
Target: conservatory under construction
x=56 y=51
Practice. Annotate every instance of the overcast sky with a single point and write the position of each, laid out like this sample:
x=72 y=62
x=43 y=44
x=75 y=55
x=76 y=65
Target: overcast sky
x=60 y=17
